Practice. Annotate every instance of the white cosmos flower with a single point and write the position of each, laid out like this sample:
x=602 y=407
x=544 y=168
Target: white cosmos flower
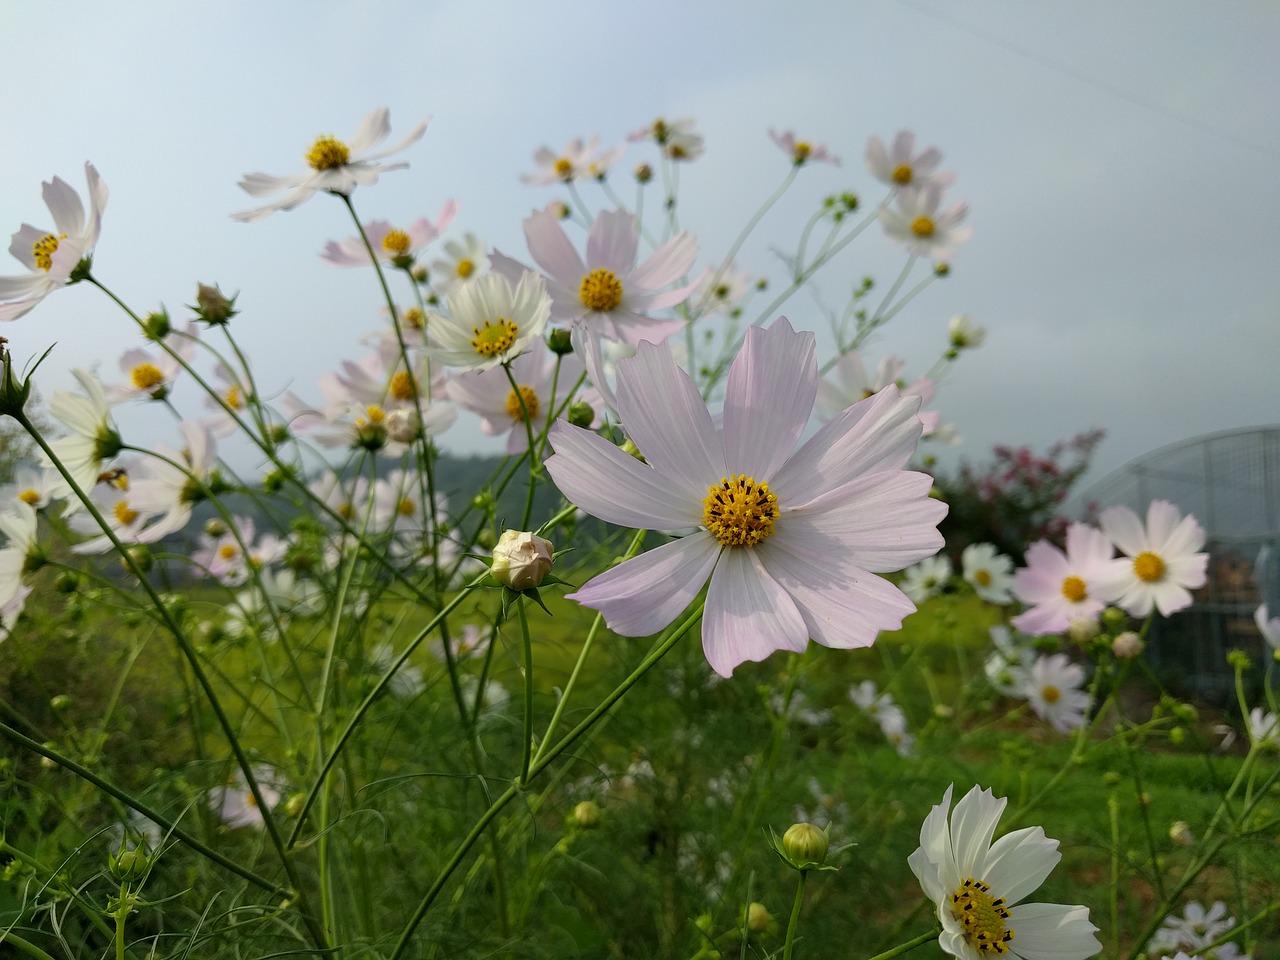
x=917 y=223
x=464 y=262
x=572 y=162
x=1053 y=689
x=19 y=527
x=52 y=255
x=93 y=439
x=926 y=579
x=1161 y=564
x=978 y=886
x=1268 y=626
x=174 y=481
x=389 y=243
x=901 y=166
x=490 y=321
x=334 y=167
x=988 y=571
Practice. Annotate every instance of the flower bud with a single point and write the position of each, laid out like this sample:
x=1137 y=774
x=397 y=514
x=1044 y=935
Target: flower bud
x=60 y=702
x=212 y=307
x=156 y=325
x=560 y=342
x=758 y=918
x=1083 y=629
x=128 y=866
x=521 y=560
x=963 y=333
x=402 y=426
x=586 y=814
x=293 y=806
x=420 y=274
x=805 y=843
x=1114 y=616
x=1180 y=833
x=1126 y=645
x=581 y=415
x=941 y=269
x=644 y=173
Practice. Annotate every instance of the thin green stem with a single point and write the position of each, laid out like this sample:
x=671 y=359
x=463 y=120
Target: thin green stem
x=527 y=748
x=906 y=947
x=788 y=949
x=26 y=946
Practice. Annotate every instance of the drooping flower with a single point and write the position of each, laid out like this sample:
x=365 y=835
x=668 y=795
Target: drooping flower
x=607 y=293
x=52 y=256
x=978 y=886
x=901 y=166
x=390 y=244
x=94 y=438
x=491 y=321
x=334 y=166
x=569 y=164
x=988 y=571
x=1162 y=562
x=916 y=222
x=1053 y=689
x=926 y=579
x=1062 y=586
x=802 y=151
x=790 y=539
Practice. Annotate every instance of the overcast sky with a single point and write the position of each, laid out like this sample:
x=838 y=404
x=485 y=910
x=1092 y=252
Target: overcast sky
x=1119 y=159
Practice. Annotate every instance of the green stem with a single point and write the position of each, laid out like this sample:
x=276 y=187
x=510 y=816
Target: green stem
x=788 y=948
x=26 y=946
x=527 y=748
x=905 y=947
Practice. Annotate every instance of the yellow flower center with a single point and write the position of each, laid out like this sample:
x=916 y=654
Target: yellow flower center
x=1148 y=567
x=465 y=268
x=402 y=386
x=985 y=918
x=922 y=227
x=125 y=516
x=44 y=249
x=983 y=578
x=530 y=401
x=1050 y=694
x=902 y=174
x=232 y=397
x=564 y=168
x=494 y=338
x=413 y=318
x=396 y=242
x=375 y=413
x=29 y=497
x=1073 y=589
x=406 y=507
x=145 y=376
x=802 y=150
x=740 y=512
x=228 y=551
x=327 y=153
x=346 y=510
x=600 y=290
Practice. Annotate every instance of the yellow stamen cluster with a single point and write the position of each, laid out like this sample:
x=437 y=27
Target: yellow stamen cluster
x=529 y=399
x=739 y=512
x=564 y=168
x=465 y=268
x=902 y=174
x=327 y=153
x=124 y=516
x=232 y=397
x=30 y=497
x=922 y=227
x=1148 y=567
x=983 y=578
x=494 y=338
x=228 y=551
x=375 y=413
x=406 y=507
x=396 y=242
x=1074 y=589
x=801 y=151
x=146 y=376
x=1050 y=694
x=402 y=386
x=600 y=290
x=413 y=318
x=44 y=249
x=985 y=918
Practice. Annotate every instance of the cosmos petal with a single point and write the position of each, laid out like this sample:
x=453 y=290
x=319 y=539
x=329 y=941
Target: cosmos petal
x=748 y=614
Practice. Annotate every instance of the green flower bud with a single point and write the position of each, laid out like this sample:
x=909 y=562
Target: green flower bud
x=129 y=866
x=805 y=843
x=1114 y=617
x=60 y=702
x=156 y=325
x=758 y=918
x=560 y=342
x=586 y=814
x=582 y=415
x=212 y=307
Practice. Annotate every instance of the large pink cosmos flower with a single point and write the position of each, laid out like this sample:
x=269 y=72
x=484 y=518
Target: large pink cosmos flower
x=1062 y=586
x=789 y=538
x=607 y=293
x=1161 y=564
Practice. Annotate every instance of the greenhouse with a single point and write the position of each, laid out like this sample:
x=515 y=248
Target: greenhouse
x=1230 y=481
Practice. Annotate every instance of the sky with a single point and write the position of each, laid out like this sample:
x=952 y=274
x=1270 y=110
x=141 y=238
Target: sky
x=1119 y=162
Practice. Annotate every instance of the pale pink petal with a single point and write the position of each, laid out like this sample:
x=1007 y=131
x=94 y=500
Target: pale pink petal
x=666 y=265
x=1125 y=529
x=647 y=593
x=611 y=244
x=748 y=614
x=65 y=206
x=768 y=398
x=551 y=250
x=596 y=476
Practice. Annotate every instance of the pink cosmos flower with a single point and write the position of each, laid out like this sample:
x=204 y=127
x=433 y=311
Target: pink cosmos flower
x=1062 y=586
x=851 y=383
x=789 y=538
x=578 y=159
x=917 y=223
x=1161 y=563
x=52 y=255
x=901 y=166
x=676 y=138
x=388 y=242
x=607 y=292
x=802 y=151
